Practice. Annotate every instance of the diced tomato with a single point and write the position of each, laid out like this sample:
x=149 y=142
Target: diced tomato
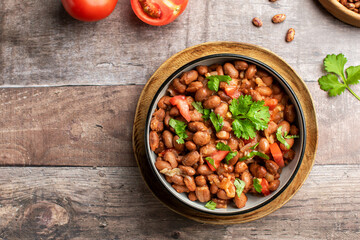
x=181 y=103
x=217 y=157
x=265 y=187
x=271 y=103
x=277 y=154
x=232 y=90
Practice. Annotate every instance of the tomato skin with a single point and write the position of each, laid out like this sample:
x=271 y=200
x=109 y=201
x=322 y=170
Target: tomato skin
x=265 y=187
x=271 y=103
x=181 y=103
x=89 y=10
x=217 y=157
x=232 y=90
x=170 y=10
x=277 y=154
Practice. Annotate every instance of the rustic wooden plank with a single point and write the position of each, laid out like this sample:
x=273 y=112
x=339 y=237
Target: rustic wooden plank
x=113 y=203
x=41 y=45
x=41 y=126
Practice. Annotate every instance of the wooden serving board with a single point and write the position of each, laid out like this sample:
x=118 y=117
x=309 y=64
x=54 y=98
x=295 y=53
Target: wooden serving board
x=190 y=54
x=341 y=12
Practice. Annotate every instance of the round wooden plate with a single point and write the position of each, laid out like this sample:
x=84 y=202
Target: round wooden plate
x=202 y=50
x=341 y=12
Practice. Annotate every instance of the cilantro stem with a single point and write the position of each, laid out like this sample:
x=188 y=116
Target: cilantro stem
x=352 y=92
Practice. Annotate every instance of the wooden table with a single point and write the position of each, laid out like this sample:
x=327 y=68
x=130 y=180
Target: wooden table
x=68 y=95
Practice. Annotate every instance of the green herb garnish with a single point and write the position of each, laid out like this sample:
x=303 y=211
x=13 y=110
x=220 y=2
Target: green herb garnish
x=239 y=185
x=282 y=138
x=180 y=130
x=217 y=121
x=254 y=153
x=210 y=205
x=249 y=116
x=223 y=147
x=211 y=161
x=199 y=107
x=334 y=65
x=257 y=185
x=214 y=81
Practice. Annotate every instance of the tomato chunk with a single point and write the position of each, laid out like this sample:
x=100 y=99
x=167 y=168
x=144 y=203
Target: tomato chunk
x=217 y=157
x=265 y=187
x=232 y=90
x=277 y=154
x=271 y=103
x=181 y=103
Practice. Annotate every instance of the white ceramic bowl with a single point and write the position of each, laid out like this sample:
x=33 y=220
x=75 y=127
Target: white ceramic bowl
x=288 y=173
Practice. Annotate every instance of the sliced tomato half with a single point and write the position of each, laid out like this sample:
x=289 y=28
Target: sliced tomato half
x=181 y=103
x=217 y=157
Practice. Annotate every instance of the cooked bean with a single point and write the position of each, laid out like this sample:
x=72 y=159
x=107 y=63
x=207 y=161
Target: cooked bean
x=289 y=155
x=203 y=193
x=194 y=86
x=190 y=183
x=212 y=102
x=264 y=145
x=161 y=148
x=189 y=77
x=289 y=141
x=197 y=126
x=285 y=127
x=257 y=170
x=202 y=69
x=164 y=102
x=196 y=116
x=156 y=125
x=174 y=112
x=223 y=135
x=189 y=101
x=222 y=109
x=160 y=165
x=172 y=91
x=224 y=96
x=190 y=135
x=204 y=170
x=226 y=126
x=220 y=70
x=154 y=140
x=191 y=146
x=178 y=180
x=201 y=138
x=264 y=91
x=202 y=94
x=271 y=166
x=170 y=157
x=241 y=65
x=191 y=158
x=213 y=188
x=247 y=178
x=240 y=202
x=192 y=196
x=233 y=144
x=290 y=113
x=294 y=130
x=222 y=194
x=200 y=181
x=230 y=70
x=269 y=177
x=241 y=167
x=250 y=72
x=167 y=118
x=179 y=147
x=267 y=80
x=187 y=170
x=167 y=139
x=274 y=185
x=180 y=188
x=178 y=85
x=256 y=96
x=207 y=150
x=159 y=114
x=168 y=179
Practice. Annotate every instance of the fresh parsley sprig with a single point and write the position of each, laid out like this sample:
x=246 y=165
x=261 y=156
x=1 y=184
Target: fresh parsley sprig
x=249 y=116
x=282 y=138
x=239 y=185
x=214 y=81
x=199 y=107
x=217 y=121
x=180 y=130
x=223 y=147
x=257 y=185
x=334 y=65
x=211 y=205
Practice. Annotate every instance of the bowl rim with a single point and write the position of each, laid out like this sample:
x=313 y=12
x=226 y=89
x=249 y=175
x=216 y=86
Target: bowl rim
x=240 y=57
x=341 y=12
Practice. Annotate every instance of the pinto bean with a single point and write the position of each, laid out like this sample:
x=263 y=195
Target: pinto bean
x=290 y=113
x=202 y=94
x=203 y=193
x=154 y=140
x=189 y=77
x=226 y=126
x=197 y=126
x=220 y=70
x=196 y=116
x=179 y=87
x=256 y=96
x=192 y=196
x=194 y=86
x=223 y=135
x=212 y=102
x=167 y=139
x=160 y=165
x=159 y=114
x=267 y=80
x=204 y=170
x=264 y=91
x=223 y=96
x=180 y=188
x=190 y=183
x=222 y=194
x=164 y=102
x=247 y=178
x=213 y=188
x=179 y=147
x=200 y=181
x=156 y=125
x=174 y=112
x=202 y=69
x=177 y=179
x=264 y=145
x=234 y=160
x=171 y=158
x=233 y=144
x=289 y=141
x=285 y=126
x=289 y=155
x=167 y=118
x=187 y=170
x=271 y=166
x=257 y=170
x=240 y=202
x=294 y=130
x=190 y=135
x=272 y=127
x=201 y=138
x=274 y=185
x=189 y=101
x=191 y=158
x=207 y=150
x=241 y=167
x=241 y=65
x=222 y=109
x=161 y=148
x=250 y=72
x=191 y=146
x=230 y=70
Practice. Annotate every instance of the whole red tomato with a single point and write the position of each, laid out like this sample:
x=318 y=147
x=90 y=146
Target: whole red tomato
x=158 y=12
x=89 y=10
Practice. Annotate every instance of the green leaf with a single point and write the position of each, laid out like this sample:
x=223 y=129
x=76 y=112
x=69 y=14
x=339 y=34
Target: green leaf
x=244 y=128
x=241 y=105
x=217 y=121
x=257 y=185
x=331 y=84
x=259 y=115
x=222 y=147
x=290 y=136
x=211 y=161
x=280 y=137
x=353 y=75
x=180 y=129
x=239 y=185
x=254 y=147
x=230 y=155
x=210 y=205
x=335 y=64
x=205 y=112
x=214 y=81
x=254 y=153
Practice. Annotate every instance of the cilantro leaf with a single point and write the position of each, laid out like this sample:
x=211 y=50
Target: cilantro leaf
x=199 y=107
x=290 y=136
x=211 y=161
x=254 y=153
x=280 y=137
x=180 y=130
x=241 y=105
x=259 y=115
x=210 y=205
x=230 y=156
x=353 y=75
x=335 y=64
x=331 y=84
x=217 y=121
x=257 y=185
x=214 y=81
x=223 y=147
x=239 y=185
x=243 y=129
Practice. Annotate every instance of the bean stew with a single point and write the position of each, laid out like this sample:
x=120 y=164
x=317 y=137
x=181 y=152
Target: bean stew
x=224 y=131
